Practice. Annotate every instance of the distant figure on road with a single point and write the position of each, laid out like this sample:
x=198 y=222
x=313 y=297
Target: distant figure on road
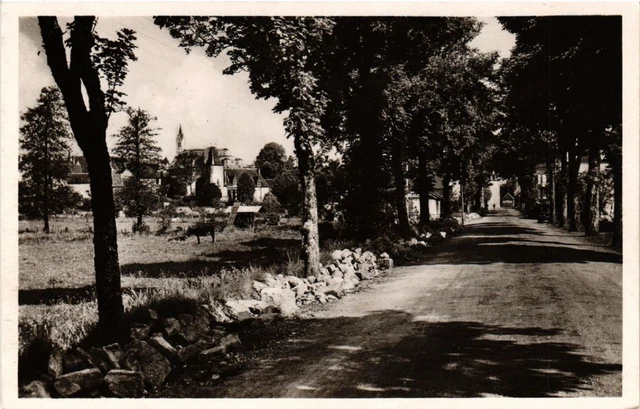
x=494 y=206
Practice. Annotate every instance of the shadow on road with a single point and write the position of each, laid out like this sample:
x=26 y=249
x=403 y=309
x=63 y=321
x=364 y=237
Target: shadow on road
x=486 y=243
x=313 y=358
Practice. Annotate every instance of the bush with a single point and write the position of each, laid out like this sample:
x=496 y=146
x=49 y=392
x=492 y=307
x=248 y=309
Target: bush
x=246 y=188
x=86 y=204
x=168 y=213
x=380 y=245
x=448 y=225
x=143 y=228
x=207 y=194
x=270 y=204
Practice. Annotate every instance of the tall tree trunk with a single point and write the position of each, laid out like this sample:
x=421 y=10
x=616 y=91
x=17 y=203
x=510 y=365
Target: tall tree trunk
x=551 y=188
x=446 y=195
x=89 y=128
x=400 y=194
x=310 y=238
x=561 y=198
x=424 y=186
x=45 y=206
x=461 y=203
x=590 y=212
x=110 y=308
x=47 y=166
x=617 y=201
x=572 y=191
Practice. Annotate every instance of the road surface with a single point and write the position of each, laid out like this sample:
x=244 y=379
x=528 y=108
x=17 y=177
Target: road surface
x=509 y=307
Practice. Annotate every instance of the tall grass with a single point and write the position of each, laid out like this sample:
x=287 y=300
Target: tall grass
x=64 y=259
x=62 y=325
x=226 y=284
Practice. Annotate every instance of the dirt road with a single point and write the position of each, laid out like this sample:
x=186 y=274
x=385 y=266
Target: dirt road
x=508 y=308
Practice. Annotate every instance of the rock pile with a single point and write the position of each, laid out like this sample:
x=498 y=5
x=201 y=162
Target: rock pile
x=157 y=345
x=286 y=294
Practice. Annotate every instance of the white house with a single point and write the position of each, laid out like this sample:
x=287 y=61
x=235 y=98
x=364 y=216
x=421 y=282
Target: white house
x=222 y=169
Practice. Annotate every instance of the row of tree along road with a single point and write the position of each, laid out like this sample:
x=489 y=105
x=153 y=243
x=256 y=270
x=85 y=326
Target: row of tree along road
x=387 y=94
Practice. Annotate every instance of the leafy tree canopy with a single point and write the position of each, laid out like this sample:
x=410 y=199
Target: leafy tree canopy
x=44 y=159
x=271 y=159
x=246 y=188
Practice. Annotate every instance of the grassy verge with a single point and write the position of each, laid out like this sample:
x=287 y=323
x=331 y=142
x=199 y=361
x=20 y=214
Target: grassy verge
x=57 y=307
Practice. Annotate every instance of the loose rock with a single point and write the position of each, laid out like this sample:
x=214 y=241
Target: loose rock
x=284 y=299
x=164 y=347
x=36 y=389
x=385 y=264
x=55 y=366
x=74 y=382
x=230 y=341
x=122 y=383
x=139 y=331
x=143 y=358
x=170 y=327
x=113 y=352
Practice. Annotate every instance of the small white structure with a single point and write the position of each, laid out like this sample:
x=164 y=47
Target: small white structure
x=413 y=204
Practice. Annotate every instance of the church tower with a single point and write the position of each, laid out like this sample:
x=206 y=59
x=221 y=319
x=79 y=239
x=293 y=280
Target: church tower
x=179 y=140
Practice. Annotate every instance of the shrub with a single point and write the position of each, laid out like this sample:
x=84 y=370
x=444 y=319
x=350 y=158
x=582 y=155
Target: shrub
x=246 y=188
x=270 y=204
x=380 y=245
x=165 y=216
x=142 y=228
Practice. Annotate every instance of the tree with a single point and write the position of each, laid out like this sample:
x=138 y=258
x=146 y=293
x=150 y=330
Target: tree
x=270 y=204
x=185 y=169
x=137 y=198
x=486 y=196
x=564 y=78
x=60 y=200
x=207 y=194
x=173 y=185
x=246 y=188
x=91 y=59
x=44 y=163
x=286 y=187
x=140 y=154
x=369 y=58
x=451 y=118
x=271 y=159
x=283 y=56
x=331 y=185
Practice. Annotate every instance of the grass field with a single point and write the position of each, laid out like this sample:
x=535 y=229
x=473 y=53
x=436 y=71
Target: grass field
x=64 y=258
x=56 y=272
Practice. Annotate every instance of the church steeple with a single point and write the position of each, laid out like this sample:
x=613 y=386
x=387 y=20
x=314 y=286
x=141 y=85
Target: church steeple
x=179 y=140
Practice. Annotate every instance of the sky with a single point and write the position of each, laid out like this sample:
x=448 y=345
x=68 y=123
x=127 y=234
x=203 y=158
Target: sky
x=189 y=90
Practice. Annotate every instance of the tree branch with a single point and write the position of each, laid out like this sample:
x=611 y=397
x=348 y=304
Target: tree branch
x=68 y=83
x=82 y=41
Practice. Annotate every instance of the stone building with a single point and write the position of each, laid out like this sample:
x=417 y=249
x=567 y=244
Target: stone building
x=218 y=166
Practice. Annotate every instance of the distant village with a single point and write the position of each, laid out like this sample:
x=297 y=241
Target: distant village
x=219 y=167
x=211 y=164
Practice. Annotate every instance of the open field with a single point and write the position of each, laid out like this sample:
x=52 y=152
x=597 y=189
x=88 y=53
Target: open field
x=56 y=274
x=64 y=258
